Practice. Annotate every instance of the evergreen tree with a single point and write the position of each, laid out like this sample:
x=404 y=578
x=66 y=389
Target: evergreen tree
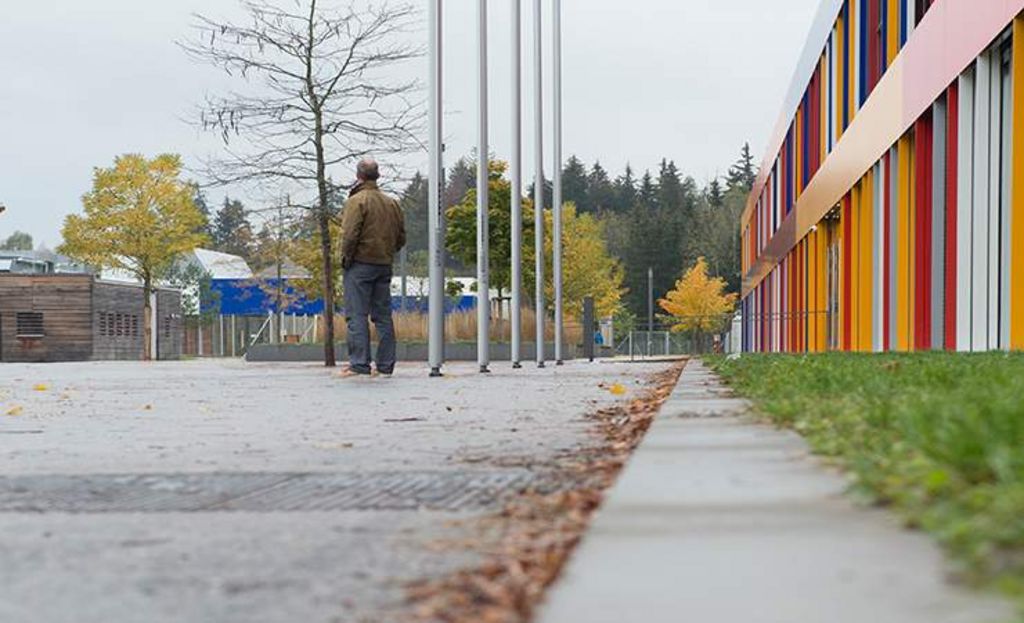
x=232 y=231
x=204 y=208
x=652 y=241
x=714 y=193
x=670 y=187
x=461 y=177
x=625 y=191
x=415 y=203
x=743 y=174
x=600 y=193
x=648 y=192
x=574 y=185
x=549 y=193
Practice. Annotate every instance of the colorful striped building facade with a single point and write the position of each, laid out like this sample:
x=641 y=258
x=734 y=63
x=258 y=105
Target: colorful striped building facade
x=889 y=211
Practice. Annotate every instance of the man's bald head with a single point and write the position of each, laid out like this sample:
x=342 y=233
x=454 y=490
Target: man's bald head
x=367 y=170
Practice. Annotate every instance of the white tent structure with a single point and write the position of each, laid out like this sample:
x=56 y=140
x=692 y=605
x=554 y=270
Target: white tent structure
x=218 y=265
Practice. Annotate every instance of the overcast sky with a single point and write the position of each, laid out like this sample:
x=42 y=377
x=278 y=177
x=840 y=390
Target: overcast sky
x=82 y=81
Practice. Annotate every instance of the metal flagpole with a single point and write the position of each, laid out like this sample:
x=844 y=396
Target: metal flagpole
x=483 y=282
x=538 y=185
x=434 y=222
x=516 y=172
x=557 y=176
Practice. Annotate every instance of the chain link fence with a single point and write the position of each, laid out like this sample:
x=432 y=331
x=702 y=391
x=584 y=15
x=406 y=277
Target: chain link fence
x=692 y=335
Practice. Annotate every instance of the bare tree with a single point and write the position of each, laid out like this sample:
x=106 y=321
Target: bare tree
x=323 y=89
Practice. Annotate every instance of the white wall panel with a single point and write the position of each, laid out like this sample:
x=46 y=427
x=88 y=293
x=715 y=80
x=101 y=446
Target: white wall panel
x=980 y=224
x=1005 y=211
x=894 y=237
x=994 y=198
x=965 y=210
x=938 y=276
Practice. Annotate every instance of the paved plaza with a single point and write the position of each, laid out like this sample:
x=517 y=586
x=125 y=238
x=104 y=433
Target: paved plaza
x=224 y=491
x=228 y=492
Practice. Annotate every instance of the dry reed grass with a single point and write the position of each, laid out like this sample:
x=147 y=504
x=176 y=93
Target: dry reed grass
x=462 y=326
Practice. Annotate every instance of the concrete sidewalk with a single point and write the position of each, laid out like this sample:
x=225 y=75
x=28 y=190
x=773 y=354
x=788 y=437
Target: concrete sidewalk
x=220 y=492
x=717 y=519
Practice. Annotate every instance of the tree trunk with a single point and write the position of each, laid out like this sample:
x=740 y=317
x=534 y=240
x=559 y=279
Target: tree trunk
x=147 y=320
x=326 y=251
x=329 y=296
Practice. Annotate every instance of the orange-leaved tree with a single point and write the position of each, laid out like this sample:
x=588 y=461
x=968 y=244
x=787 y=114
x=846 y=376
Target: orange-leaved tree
x=699 y=304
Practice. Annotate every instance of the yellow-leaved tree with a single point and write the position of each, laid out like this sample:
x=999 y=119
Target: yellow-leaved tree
x=699 y=304
x=139 y=217
x=588 y=268
x=306 y=252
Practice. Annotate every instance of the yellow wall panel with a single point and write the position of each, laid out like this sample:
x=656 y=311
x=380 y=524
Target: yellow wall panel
x=902 y=245
x=892 y=40
x=854 y=261
x=822 y=289
x=1017 y=207
x=866 y=263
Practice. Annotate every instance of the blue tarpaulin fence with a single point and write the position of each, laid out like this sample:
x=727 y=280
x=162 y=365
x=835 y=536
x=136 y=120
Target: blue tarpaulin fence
x=246 y=297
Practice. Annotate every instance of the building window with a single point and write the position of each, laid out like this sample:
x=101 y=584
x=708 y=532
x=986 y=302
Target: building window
x=135 y=325
x=29 y=324
x=167 y=327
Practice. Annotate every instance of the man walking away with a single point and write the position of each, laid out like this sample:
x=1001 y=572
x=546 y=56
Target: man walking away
x=373 y=232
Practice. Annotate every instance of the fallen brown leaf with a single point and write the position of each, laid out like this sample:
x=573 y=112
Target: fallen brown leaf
x=541 y=530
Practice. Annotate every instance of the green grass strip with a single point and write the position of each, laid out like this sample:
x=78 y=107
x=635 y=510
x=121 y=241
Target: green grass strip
x=939 y=437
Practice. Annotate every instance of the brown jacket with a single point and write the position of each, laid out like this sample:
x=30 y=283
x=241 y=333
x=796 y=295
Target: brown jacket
x=373 y=227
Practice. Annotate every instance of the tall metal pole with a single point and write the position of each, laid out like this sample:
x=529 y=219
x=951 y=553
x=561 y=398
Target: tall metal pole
x=516 y=172
x=650 y=307
x=538 y=185
x=557 y=177
x=435 y=322
x=483 y=256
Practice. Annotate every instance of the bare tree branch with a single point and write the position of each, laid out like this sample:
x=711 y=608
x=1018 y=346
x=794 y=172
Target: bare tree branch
x=318 y=91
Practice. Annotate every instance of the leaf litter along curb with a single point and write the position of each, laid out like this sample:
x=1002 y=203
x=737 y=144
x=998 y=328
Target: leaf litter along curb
x=539 y=531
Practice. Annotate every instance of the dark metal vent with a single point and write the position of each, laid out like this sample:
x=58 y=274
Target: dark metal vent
x=247 y=492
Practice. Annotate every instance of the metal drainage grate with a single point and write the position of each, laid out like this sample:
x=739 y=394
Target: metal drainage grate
x=264 y=493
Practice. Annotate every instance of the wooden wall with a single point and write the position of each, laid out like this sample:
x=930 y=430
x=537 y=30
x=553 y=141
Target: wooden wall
x=170 y=335
x=126 y=305
x=117 y=322
x=84 y=319
x=64 y=301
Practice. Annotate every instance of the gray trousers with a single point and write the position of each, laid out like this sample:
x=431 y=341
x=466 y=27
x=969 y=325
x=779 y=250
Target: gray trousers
x=368 y=295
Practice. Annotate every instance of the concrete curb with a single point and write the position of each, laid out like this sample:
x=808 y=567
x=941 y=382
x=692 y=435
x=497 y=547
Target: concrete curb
x=720 y=519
